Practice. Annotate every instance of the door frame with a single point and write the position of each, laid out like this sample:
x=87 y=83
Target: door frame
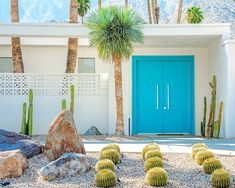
x=135 y=59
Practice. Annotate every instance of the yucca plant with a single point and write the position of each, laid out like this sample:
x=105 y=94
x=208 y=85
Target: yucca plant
x=194 y=15
x=114 y=31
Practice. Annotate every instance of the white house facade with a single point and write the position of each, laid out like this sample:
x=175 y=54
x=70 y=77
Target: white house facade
x=164 y=83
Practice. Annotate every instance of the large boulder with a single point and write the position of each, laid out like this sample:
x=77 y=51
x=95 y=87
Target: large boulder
x=63 y=137
x=12 y=164
x=69 y=164
x=13 y=141
x=93 y=131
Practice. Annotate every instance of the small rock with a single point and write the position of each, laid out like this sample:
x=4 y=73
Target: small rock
x=69 y=164
x=63 y=137
x=13 y=141
x=93 y=131
x=12 y=164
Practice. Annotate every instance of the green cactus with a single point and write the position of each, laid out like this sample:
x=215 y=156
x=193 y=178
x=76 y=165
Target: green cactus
x=110 y=154
x=156 y=177
x=211 y=164
x=153 y=153
x=211 y=122
x=203 y=123
x=201 y=156
x=23 y=125
x=111 y=146
x=104 y=164
x=218 y=122
x=148 y=147
x=72 y=98
x=105 y=178
x=27 y=125
x=221 y=178
x=152 y=163
x=199 y=145
x=196 y=150
x=63 y=104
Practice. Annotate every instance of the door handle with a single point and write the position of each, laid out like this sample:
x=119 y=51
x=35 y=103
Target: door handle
x=168 y=97
x=157 y=97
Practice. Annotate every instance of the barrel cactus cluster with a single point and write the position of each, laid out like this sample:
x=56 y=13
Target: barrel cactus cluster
x=105 y=167
x=220 y=178
x=153 y=165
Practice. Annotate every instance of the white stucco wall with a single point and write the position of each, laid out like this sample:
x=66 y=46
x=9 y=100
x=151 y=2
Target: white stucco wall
x=52 y=59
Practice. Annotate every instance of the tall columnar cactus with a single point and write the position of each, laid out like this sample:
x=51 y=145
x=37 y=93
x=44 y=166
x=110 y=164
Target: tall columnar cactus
x=218 y=122
x=203 y=123
x=27 y=124
x=72 y=98
x=63 y=104
x=211 y=122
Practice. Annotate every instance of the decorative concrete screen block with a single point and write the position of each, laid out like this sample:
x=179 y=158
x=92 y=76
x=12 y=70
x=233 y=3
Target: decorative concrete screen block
x=53 y=84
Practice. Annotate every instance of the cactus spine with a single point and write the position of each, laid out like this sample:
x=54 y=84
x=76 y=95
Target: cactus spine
x=27 y=125
x=203 y=123
x=211 y=122
x=63 y=104
x=218 y=122
x=72 y=98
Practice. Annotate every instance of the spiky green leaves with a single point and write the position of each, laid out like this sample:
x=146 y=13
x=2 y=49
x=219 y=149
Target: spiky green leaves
x=105 y=178
x=114 y=31
x=221 y=178
x=196 y=150
x=104 y=164
x=152 y=163
x=201 y=156
x=111 y=154
x=211 y=164
x=156 y=177
x=148 y=147
x=194 y=15
x=153 y=153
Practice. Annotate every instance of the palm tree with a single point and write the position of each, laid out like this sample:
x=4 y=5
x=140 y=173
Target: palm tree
x=149 y=12
x=194 y=15
x=114 y=31
x=72 y=42
x=126 y=3
x=83 y=7
x=180 y=8
x=18 y=65
x=155 y=11
x=100 y=4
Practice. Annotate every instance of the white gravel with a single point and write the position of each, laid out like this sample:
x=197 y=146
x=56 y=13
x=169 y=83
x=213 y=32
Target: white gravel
x=183 y=172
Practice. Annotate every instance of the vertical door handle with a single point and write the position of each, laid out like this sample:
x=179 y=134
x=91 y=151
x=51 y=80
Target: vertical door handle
x=168 y=96
x=157 y=97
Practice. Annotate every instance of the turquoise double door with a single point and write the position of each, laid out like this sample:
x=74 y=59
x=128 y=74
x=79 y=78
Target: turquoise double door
x=163 y=95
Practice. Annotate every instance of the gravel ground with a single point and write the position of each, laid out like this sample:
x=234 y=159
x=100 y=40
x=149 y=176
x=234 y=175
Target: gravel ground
x=183 y=172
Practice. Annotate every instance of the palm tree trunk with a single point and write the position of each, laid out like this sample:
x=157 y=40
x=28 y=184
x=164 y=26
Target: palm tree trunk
x=126 y=3
x=180 y=11
x=18 y=65
x=157 y=11
x=149 y=12
x=100 y=4
x=153 y=11
x=72 y=42
x=118 y=95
